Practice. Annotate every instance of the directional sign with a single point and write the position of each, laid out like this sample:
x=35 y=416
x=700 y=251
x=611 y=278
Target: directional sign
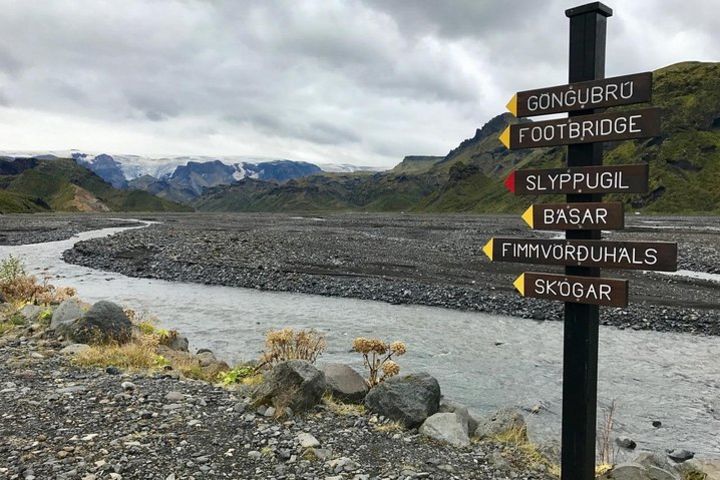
x=602 y=179
x=585 y=253
x=576 y=216
x=569 y=288
x=610 y=92
x=601 y=127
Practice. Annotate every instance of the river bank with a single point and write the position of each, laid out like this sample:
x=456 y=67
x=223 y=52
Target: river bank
x=39 y=227
x=65 y=422
x=403 y=259
x=484 y=361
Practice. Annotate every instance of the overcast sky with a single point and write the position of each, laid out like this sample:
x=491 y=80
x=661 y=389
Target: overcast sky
x=363 y=82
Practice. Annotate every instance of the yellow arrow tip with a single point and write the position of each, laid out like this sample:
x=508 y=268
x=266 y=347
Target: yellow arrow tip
x=512 y=105
x=505 y=137
x=488 y=249
x=528 y=216
x=519 y=284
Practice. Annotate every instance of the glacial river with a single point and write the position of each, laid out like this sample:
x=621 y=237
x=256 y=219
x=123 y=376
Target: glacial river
x=484 y=361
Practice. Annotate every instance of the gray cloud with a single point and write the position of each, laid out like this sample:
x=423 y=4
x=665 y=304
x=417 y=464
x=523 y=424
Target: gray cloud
x=354 y=81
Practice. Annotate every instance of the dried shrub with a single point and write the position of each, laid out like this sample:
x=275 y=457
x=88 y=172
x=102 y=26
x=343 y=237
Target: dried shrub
x=606 y=452
x=286 y=344
x=139 y=354
x=19 y=288
x=11 y=268
x=146 y=325
x=377 y=358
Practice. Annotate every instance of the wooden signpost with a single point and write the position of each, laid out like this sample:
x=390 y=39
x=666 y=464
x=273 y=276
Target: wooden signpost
x=601 y=127
x=575 y=216
x=659 y=256
x=583 y=218
x=610 y=179
x=609 y=92
x=568 y=288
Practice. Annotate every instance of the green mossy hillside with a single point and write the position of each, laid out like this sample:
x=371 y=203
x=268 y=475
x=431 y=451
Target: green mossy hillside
x=63 y=185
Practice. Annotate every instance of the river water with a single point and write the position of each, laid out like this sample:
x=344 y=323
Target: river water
x=484 y=361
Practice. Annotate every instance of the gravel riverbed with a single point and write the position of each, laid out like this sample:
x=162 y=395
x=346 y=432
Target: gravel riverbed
x=60 y=421
x=433 y=260
x=37 y=228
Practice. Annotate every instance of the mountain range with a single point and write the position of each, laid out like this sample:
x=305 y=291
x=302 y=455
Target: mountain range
x=36 y=185
x=684 y=170
x=182 y=179
x=684 y=165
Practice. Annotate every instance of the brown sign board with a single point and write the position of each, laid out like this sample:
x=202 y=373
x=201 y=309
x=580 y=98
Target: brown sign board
x=600 y=179
x=661 y=256
x=576 y=216
x=574 y=97
x=568 y=288
x=600 y=127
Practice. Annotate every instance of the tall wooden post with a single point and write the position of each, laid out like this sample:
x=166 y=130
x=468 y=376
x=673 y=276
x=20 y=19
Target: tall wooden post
x=587 y=62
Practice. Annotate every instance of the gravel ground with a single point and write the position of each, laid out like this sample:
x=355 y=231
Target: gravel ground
x=62 y=422
x=417 y=259
x=37 y=228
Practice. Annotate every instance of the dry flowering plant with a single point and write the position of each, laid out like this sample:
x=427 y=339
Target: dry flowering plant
x=20 y=288
x=287 y=344
x=377 y=358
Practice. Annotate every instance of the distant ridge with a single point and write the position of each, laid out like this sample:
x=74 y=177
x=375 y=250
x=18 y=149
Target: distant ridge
x=684 y=165
x=35 y=184
x=183 y=178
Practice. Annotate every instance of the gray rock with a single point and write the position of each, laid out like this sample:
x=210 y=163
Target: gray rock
x=626 y=442
x=206 y=358
x=446 y=427
x=322 y=454
x=306 y=440
x=179 y=343
x=409 y=399
x=627 y=471
x=502 y=422
x=295 y=384
x=74 y=349
x=680 y=455
x=174 y=396
x=344 y=383
x=657 y=473
x=66 y=313
x=31 y=313
x=104 y=322
x=711 y=468
x=648 y=459
x=450 y=406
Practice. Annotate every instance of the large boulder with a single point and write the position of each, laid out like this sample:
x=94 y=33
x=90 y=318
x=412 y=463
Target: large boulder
x=105 y=322
x=296 y=384
x=31 y=313
x=626 y=471
x=409 y=399
x=508 y=421
x=344 y=383
x=177 y=342
x=680 y=455
x=446 y=427
x=66 y=313
x=698 y=467
x=653 y=459
x=450 y=406
x=636 y=471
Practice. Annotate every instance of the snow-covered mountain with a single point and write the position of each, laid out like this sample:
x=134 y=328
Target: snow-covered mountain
x=184 y=178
